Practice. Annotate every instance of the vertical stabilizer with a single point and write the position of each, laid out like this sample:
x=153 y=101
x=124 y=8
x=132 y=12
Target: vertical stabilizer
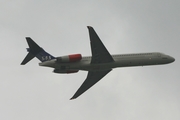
x=36 y=51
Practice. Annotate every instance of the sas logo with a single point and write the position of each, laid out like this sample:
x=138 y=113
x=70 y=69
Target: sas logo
x=45 y=58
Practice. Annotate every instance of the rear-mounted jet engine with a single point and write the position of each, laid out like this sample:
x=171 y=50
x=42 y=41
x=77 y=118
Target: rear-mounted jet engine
x=69 y=58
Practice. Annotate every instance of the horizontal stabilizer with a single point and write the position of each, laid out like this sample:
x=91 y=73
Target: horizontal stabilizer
x=28 y=57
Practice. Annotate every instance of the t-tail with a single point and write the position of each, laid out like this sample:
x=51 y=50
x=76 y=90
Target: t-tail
x=35 y=50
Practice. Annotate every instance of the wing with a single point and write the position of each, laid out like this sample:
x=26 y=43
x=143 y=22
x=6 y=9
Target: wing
x=99 y=52
x=99 y=55
x=92 y=78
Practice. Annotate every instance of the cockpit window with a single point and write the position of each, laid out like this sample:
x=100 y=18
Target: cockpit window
x=159 y=54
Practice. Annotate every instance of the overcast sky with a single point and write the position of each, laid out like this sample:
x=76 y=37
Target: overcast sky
x=31 y=92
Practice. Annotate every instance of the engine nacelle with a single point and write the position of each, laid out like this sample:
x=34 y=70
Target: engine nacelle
x=69 y=58
x=65 y=71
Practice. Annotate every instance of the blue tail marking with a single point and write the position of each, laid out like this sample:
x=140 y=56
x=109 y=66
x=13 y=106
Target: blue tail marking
x=36 y=51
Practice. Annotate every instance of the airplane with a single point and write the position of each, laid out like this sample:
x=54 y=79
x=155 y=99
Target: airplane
x=98 y=65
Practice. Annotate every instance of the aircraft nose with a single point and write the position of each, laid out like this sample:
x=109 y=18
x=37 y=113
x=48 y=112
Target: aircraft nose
x=173 y=59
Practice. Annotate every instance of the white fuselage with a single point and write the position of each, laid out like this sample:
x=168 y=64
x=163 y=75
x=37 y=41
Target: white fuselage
x=120 y=60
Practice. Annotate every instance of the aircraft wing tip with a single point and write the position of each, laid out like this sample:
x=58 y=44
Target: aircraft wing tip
x=89 y=27
x=72 y=98
x=28 y=37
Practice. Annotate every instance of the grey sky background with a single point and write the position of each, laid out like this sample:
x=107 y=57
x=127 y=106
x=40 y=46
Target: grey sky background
x=31 y=92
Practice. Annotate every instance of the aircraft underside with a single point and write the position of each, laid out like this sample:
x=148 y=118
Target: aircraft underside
x=98 y=66
x=87 y=66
